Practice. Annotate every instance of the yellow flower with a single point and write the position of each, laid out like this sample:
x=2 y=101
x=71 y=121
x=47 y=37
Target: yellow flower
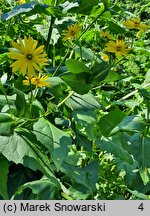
x=135 y=24
x=105 y=57
x=28 y=57
x=72 y=32
x=39 y=81
x=106 y=34
x=22 y=1
x=118 y=47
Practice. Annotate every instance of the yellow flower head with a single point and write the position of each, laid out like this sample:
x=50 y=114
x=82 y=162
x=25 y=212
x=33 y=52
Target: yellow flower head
x=106 y=34
x=72 y=32
x=118 y=47
x=39 y=81
x=27 y=56
x=105 y=57
x=135 y=24
x=22 y=1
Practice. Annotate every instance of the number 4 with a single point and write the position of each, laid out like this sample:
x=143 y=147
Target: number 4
x=141 y=207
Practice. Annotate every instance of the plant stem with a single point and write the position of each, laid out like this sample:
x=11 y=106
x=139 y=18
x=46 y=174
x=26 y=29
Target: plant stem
x=66 y=196
x=66 y=98
x=61 y=62
x=49 y=34
x=126 y=96
x=3 y=90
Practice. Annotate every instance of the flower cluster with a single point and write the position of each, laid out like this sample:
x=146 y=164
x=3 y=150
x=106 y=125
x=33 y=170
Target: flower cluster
x=28 y=61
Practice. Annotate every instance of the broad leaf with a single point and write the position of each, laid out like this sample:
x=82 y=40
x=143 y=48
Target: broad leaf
x=74 y=66
x=140 y=148
x=7 y=124
x=56 y=140
x=83 y=102
x=24 y=8
x=3 y=177
x=110 y=121
x=78 y=82
x=45 y=188
x=115 y=149
x=132 y=123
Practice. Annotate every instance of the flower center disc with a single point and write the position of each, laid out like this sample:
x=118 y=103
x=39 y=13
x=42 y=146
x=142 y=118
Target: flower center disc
x=29 y=56
x=119 y=48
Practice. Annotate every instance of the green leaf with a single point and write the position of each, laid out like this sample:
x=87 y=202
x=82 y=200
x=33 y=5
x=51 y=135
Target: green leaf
x=75 y=67
x=85 y=123
x=85 y=7
x=132 y=123
x=99 y=72
x=140 y=148
x=4 y=166
x=45 y=188
x=116 y=29
x=24 y=8
x=7 y=124
x=112 y=77
x=56 y=140
x=83 y=179
x=83 y=102
x=110 y=121
x=20 y=102
x=78 y=82
x=87 y=54
x=114 y=148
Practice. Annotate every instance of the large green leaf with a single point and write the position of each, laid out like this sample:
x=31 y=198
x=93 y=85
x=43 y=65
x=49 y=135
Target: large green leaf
x=99 y=72
x=7 y=124
x=22 y=147
x=116 y=149
x=78 y=82
x=110 y=121
x=87 y=54
x=74 y=66
x=83 y=179
x=3 y=177
x=132 y=123
x=56 y=140
x=83 y=102
x=45 y=188
x=85 y=7
x=24 y=8
x=140 y=148
x=85 y=123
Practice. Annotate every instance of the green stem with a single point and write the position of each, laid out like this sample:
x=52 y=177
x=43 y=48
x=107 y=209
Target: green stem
x=3 y=90
x=126 y=96
x=66 y=98
x=89 y=26
x=66 y=196
x=61 y=62
x=49 y=34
